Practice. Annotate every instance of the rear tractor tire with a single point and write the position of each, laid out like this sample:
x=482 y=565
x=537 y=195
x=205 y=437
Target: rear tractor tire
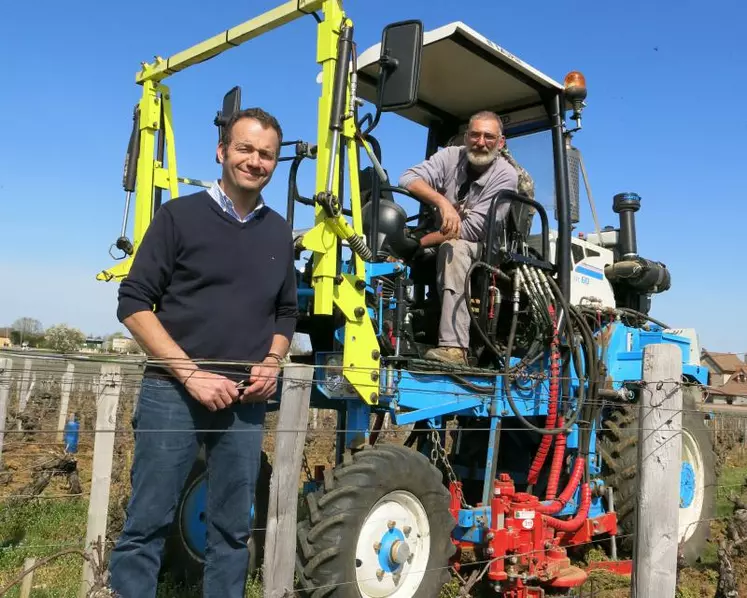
x=184 y=554
x=618 y=446
x=379 y=528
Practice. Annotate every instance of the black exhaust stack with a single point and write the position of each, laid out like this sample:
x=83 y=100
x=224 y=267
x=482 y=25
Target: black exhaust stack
x=634 y=278
x=627 y=204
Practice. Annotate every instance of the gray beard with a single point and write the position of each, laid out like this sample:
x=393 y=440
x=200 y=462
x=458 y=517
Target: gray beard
x=482 y=159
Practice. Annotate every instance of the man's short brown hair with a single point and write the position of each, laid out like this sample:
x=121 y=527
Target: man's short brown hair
x=264 y=118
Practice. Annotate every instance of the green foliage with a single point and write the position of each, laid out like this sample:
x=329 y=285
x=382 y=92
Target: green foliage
x=64 y=339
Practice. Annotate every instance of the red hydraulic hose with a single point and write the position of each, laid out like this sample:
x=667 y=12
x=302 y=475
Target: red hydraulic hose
x=565 y=496
x=552 y=408
x=557 y=464
x=572 y=525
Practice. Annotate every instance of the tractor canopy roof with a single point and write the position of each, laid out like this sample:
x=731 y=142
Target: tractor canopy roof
x=463 y=72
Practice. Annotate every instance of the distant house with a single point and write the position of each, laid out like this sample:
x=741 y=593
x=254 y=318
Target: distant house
x=123 y=344
x=721 y=366
x=727 y=378
x=4 y=342
x=93 y=344
x=734 y=391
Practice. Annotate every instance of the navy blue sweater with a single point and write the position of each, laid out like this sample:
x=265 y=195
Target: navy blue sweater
x=221 y=288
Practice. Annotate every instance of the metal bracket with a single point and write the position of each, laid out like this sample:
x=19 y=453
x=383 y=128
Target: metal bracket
x=329 y=202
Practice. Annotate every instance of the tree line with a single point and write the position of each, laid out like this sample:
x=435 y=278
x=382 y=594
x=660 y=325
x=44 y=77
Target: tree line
x=60 y=338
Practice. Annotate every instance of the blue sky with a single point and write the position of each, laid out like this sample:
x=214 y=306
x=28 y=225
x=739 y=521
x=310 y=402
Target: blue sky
x=665 y=118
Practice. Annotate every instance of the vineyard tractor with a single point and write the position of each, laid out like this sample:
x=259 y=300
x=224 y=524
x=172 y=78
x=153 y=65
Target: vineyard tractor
x=513 y=462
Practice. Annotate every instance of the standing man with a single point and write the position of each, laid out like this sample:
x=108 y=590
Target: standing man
x=213 y=280
x=461 y=181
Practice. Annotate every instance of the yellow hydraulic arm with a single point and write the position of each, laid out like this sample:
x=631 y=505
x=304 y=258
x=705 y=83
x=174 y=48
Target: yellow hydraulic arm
x=156 y=171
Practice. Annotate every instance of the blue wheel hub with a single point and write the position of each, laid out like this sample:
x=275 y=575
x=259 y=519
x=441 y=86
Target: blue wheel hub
x=687 y=485
x=193 y=520
x=391 y=541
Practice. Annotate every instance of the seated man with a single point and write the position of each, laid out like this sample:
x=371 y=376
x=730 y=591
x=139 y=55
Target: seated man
x=461 y=181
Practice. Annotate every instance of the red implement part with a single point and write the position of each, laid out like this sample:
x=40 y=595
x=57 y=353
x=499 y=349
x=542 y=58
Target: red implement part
x=565 y=496
x=578 y=520
x=557 y=464
x=522 y=591
x=591 y=528
x=552 y=407
x=525 y=546
x=619 y=567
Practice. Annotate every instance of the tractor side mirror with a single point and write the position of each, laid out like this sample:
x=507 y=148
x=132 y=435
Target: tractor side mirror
x=401 y=48
x=231 y=104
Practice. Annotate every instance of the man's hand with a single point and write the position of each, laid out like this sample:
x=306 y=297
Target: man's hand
x=451 y=223
x=263 y=381
x=211 y=390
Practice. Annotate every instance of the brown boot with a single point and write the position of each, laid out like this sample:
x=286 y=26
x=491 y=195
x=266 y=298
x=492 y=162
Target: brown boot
x=455 y=355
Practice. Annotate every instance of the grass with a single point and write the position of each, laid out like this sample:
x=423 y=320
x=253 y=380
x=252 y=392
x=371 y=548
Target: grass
x=44 y=527
x=169 y=589
x=730 y=482
x=39 y=529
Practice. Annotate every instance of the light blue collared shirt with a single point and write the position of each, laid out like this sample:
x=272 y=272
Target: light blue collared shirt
x=227 y=206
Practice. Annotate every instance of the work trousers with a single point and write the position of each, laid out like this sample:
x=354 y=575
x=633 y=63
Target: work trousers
x=454 y=260
x=170 y=426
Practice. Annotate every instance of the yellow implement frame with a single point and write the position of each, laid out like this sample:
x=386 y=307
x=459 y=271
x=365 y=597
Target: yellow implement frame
x=345 y=292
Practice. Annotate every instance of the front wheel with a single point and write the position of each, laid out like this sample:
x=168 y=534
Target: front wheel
x=380 y=528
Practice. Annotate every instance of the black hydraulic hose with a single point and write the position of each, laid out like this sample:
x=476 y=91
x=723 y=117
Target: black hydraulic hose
x=574 y=352
x=290 y=209
x=590 y=410
x=572 y=343
x=507 y=389
x=535 y=349
x=642 y=316
x=467 y=294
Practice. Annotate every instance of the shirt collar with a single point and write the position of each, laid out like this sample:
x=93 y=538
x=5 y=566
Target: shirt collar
x=217 y=193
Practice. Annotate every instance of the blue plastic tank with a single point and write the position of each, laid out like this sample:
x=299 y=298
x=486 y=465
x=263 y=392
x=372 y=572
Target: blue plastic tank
x=71 y=435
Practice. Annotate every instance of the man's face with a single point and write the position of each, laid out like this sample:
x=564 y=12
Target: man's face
x=483 y=140
x=251 y=156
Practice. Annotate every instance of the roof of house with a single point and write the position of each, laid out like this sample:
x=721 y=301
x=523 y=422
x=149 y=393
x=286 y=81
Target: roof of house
x=726 y=362
x=736 y=386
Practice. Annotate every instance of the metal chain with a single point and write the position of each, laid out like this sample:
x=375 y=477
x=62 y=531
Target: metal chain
x=438 y=452
x=306 y=468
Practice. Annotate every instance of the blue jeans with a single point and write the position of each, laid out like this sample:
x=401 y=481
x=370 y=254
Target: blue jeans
x=170 y=426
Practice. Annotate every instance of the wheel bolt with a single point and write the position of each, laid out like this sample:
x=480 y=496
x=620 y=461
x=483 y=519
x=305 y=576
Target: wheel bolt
x=377 y=547
x=391 y=524
x=406 y=530
x=380 y=574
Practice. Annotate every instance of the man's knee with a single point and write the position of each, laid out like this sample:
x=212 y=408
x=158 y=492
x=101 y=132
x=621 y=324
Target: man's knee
x=455 y=259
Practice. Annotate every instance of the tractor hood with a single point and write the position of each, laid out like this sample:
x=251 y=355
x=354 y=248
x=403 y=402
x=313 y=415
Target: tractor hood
x=463 y=72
